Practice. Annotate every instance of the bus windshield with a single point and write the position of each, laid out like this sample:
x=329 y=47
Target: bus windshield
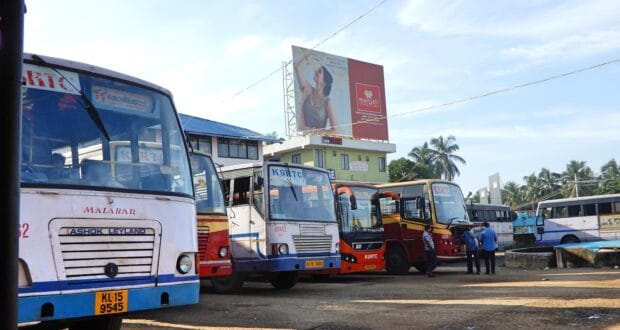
x=67 y=119
x=365 y=216
x=300 y=194
x=449 y=204
x=208 y=190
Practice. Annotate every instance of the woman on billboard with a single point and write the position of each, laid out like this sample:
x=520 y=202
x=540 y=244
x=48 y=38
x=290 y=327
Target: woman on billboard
x=316 y=107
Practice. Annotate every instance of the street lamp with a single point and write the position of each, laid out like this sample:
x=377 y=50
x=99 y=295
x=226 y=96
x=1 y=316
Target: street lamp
x=576 y=185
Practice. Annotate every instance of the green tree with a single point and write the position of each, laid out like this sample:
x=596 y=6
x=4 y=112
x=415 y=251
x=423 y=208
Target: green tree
x=609 y=178
x=513 y=194
x=577 y=179
x=400 y=168
x=443 y=154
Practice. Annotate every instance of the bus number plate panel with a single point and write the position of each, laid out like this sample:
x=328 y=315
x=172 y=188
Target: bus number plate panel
x=111 y=302
x=314 y=263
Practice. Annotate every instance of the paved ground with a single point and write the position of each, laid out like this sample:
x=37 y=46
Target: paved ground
x=584 y=298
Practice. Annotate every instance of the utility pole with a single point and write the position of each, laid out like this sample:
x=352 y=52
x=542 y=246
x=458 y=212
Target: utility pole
x=11 y=55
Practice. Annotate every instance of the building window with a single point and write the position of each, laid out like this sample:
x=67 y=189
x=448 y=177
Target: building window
x=230 y=148
x=318 y=158
x=202 y=143
x=334 y=153
x=296 y=159
x=367 y=159
x=359 y=158
x=381 y=164
x=344 y=161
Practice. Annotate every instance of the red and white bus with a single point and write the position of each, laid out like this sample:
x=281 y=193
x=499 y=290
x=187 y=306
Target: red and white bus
x=212 y=221
x=406 y=207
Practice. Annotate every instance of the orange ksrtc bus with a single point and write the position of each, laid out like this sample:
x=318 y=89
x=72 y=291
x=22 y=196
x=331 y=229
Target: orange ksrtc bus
x=212 y=221
x=362 y=244
x=406 y=207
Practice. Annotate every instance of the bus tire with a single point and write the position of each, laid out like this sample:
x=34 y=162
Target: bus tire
x=284 y=280
x=112 y=322
x=569 y=239
x=227 y=284
x=396 y=262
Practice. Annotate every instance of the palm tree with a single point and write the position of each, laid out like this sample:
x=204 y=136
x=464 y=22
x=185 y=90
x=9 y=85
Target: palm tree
x=422 y=155
x=548 y=182
x=610 y=178
x=513 y=194
x=576 y=171
x=443 y=154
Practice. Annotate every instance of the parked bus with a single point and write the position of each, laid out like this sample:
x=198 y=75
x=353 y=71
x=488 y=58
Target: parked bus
x=499 y=217
x=406 y=207
x=213 y=233
x=581 y=219
x=282 y=221
x=94 y=243
x=362 y=244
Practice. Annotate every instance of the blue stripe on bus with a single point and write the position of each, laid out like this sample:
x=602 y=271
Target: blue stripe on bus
x=568 y=230
x=83 y=304
x=103 y=283
x=286 y=263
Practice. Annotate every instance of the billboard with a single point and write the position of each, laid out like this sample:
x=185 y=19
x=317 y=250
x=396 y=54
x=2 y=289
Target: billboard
x=339 y=96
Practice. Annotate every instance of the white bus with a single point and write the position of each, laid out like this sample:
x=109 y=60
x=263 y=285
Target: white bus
x=581 y=219
x=499 y=217
x=101 y=236
x=282 y=221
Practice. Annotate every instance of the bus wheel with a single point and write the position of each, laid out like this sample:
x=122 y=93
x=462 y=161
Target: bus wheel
x=227 y=284
x=284 y=280
x=396 y=262
x=99 y=323
x=569 y=239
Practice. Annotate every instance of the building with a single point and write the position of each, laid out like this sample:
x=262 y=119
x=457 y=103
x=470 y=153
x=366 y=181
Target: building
x=227 y=144
x=347 y=159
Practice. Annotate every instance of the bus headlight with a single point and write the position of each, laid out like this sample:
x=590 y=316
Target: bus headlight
x=223 y=252
x=184 y=264
x=279 y=248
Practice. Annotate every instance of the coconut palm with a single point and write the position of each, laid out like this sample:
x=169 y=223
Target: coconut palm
x=610 y=178
x=513 y=194
x=444 y=157
x=576 y=171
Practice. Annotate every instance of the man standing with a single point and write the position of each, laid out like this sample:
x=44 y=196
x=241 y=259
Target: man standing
x=429 y=249
x=489 y=244
x=473 y=255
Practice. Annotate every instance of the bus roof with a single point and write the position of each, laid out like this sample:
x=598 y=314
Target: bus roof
x=577 y=200
x=73 y=65
x=408 y=183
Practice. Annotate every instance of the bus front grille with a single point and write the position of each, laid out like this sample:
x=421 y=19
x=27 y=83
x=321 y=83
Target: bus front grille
x=104 y=252
x=203 y=238
x=312 y=244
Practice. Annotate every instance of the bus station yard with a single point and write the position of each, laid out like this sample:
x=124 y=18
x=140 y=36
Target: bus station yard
x=552 y=298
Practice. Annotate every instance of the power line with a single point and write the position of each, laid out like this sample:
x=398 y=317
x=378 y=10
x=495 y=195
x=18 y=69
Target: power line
x=314 y=47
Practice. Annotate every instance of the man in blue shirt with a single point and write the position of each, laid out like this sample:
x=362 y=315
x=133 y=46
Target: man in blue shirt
x=488 y=238
x=473 y=255
x=429 y=250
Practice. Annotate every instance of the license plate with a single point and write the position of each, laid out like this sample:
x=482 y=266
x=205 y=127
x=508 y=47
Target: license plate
x=314 y=263
x=369 y=267
x=111 y=302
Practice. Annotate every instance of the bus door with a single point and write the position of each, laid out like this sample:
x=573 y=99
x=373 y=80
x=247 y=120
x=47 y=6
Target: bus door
x=242 y=236
x=416 y=216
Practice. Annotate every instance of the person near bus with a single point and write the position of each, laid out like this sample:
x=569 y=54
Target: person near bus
x=488 y=238
x=429 y=249
x=473 y=253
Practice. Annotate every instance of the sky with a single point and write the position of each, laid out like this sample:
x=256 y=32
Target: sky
x=222 y=61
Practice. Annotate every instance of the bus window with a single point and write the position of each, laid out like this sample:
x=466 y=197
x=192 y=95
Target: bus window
x=589 y=209
x=560 y=212
x=574 y=210
x=604 y=208
x=617 y=208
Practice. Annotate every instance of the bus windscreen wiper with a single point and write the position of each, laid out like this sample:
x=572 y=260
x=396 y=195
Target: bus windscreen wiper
x=93 y=113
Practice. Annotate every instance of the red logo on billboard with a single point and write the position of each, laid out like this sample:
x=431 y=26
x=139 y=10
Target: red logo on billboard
x=368 y=97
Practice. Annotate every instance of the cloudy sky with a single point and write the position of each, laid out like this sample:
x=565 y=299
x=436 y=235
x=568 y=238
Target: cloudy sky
x=222 y=61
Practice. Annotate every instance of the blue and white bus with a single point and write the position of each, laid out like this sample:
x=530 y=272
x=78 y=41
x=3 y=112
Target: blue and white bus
x=581 y=219
x=282 y=221
x=101 y=235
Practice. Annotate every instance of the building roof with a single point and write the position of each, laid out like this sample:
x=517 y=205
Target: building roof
x=201 y=126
